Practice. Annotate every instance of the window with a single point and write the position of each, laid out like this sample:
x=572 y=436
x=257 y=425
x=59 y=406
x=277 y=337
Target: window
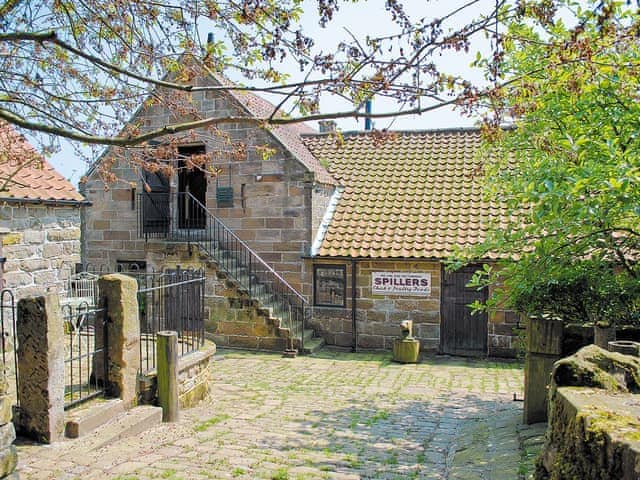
x=131 y=266
x=329 y=285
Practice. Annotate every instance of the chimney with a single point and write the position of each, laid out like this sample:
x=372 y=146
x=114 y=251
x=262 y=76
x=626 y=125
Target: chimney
x=327 y=126
x=368 y=124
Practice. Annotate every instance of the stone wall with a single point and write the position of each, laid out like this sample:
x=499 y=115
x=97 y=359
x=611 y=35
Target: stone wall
x=194 y=372
x=42 y=247
x=379 y=316
x=272 y=197
x=232 y=319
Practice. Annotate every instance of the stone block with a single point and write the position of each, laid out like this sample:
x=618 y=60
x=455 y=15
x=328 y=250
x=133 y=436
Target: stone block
x=65 y=234
x=41 y=368
x=8 y=462
x=427 y=330
x=17 y=279
x=50 y=250
x=12 y=239
x=34 y=264
x=7 y=435
x=33 y=236
x=124 y=335
x=373 y=342
x=6 y=404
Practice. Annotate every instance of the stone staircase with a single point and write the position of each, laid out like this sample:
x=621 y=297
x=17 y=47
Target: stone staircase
x=278 y=301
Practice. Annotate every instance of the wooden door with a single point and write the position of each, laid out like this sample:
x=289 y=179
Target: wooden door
x=155 y=205
x=462 y=333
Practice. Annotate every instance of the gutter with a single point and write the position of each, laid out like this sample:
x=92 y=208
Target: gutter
x=55 y=203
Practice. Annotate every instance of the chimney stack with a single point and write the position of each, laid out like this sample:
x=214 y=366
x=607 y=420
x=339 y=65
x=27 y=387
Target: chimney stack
x=327 y=126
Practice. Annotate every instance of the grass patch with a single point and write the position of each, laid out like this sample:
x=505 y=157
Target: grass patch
x=280 y=474
x=202 y=426
x=236 y=472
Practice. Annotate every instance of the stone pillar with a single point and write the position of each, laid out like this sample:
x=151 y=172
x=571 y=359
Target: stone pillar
x=544 y=348
x=40 y=373
x=123 y=339
x=8 y=455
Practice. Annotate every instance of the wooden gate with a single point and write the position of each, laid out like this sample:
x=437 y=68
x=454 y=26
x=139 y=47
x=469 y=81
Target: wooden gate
x=462 y=333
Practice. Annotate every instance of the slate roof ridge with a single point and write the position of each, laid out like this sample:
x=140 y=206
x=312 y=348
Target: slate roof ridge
x=35 y=181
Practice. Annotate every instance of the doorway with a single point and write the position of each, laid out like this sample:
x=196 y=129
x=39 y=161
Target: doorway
x=462 y=333
x=192 y=191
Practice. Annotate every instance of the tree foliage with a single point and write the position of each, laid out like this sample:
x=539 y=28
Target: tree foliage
x=570 y=169
x=80 y=69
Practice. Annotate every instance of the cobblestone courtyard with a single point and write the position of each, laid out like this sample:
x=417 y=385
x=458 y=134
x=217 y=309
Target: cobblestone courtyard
x=332 y=416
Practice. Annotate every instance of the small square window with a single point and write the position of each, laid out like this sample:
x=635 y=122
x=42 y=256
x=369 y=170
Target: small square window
x=329 y=285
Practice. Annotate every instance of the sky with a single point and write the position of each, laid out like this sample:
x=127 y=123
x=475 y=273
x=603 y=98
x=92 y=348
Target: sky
x=357 y=19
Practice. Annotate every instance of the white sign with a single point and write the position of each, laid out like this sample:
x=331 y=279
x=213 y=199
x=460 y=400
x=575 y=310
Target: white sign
x=401 y=283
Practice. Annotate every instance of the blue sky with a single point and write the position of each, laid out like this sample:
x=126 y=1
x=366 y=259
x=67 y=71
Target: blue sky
x=359 y=19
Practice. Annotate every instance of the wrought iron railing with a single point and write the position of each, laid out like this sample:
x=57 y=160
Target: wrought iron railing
x=190 y=221
x=171 y=300
x=86 y=362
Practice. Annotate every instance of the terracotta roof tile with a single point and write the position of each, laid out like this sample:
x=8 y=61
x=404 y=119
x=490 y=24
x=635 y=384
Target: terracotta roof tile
x=415 y=195
x=33 y=178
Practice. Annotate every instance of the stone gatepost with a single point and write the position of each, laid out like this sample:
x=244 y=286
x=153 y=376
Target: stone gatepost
x=120 y=294
x=544 y=348
x=40 y=353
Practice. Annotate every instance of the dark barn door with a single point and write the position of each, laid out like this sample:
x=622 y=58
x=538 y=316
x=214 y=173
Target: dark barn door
x=462 y=333
x=155 y=205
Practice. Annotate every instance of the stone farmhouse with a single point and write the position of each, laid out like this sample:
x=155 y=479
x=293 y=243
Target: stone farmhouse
x=333 y=239
x=39 y=220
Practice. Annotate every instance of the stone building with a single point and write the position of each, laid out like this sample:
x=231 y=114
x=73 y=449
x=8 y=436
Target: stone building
x=322 y=214
x=406 y=202
x=39 y=219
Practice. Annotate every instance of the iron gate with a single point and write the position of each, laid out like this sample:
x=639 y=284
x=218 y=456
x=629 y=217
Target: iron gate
x=85 y=364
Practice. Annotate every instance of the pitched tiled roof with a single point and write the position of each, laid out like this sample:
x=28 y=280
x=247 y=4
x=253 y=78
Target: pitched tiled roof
x=414 y=195
x=288 y=135
x=33 y=178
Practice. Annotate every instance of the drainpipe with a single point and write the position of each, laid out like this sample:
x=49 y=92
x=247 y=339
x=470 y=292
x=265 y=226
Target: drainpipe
x=368 y=123
x=354 y=323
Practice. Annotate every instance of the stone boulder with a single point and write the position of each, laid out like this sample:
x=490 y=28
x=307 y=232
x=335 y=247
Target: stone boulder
x=594 y=418
x=595 y=367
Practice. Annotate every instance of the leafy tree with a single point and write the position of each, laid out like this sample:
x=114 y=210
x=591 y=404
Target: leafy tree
x=569 y=172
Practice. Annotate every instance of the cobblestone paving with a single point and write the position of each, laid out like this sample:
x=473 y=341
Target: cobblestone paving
x=333 y=416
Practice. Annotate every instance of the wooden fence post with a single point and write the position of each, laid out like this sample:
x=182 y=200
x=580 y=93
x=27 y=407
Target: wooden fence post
x=544 y=348
x=167 y=364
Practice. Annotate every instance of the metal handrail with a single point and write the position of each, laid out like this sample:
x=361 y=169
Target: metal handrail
x=191 y=221
x=245 y=246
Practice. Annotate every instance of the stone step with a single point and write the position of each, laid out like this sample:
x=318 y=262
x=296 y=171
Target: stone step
x=130 y=423
x=308 y=334
x=313 y=345
x=87 y=417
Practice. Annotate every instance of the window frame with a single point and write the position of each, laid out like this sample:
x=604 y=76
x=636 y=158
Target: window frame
x=343 y=278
